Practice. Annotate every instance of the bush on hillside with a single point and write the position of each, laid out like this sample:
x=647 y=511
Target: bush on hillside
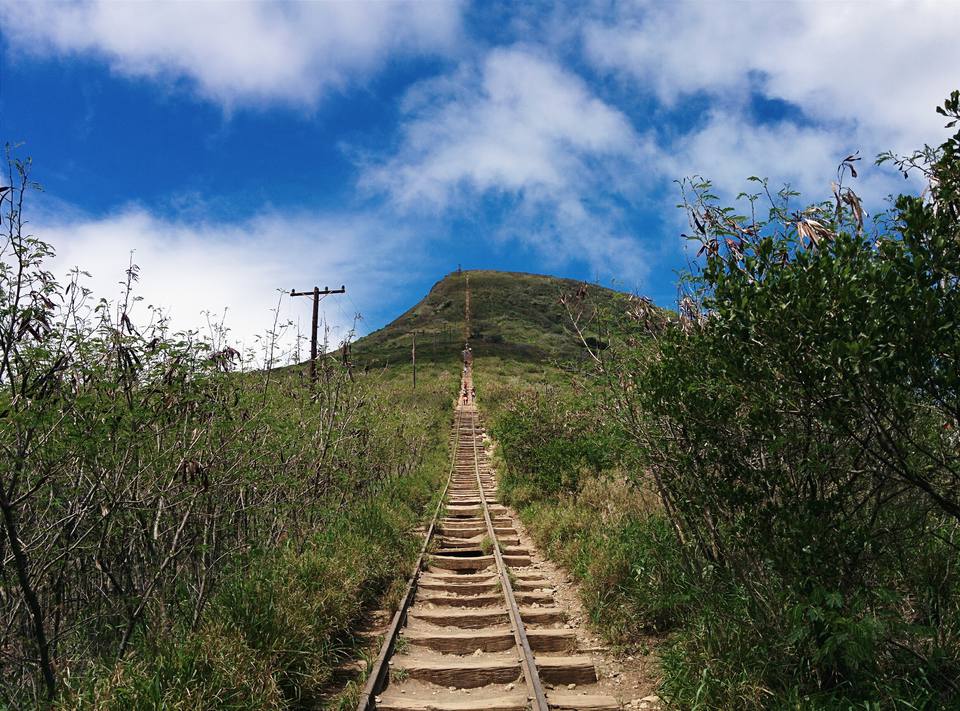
x=549 y=444
x=800 y=421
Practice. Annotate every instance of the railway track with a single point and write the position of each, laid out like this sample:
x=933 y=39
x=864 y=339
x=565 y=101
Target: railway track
x=478 y=627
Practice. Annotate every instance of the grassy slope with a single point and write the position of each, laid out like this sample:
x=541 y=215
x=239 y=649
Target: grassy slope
x=598 y=527
x=280 y=622
x=514 y=316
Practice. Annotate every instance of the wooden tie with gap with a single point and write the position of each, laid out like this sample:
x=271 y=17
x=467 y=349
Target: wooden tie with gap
x=478 y=627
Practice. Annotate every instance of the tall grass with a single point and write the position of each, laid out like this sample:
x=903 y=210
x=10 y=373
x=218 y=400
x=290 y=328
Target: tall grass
x=181 y=526
x=281 y=623
x=563 y=469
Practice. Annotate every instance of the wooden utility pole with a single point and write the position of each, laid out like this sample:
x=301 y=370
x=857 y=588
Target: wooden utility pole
x=413 y=357
x=466 y=311
x=316 y=294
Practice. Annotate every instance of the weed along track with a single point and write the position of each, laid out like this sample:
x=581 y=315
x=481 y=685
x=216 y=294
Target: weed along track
x=479 y=627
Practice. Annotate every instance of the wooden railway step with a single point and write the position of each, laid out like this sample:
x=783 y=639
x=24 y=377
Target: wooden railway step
x=552 y=640
x=517 y=560
x=498 y=639
x=452 y=540
x=400 y=702
x=447 y=542
x=446 y=562
x=528 y=598
x=502 y=534
x=542 y=615
x=465 y=619
x=461 y=672
x=445 y=576
x=469 y=552
x=566 y=670
x=479 y=530
x=461 y=600
x=463 y=511
x=508 y=549
x=460 y=588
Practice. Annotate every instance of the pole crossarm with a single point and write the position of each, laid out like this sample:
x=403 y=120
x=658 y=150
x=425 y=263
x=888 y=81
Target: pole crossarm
x=319 y=292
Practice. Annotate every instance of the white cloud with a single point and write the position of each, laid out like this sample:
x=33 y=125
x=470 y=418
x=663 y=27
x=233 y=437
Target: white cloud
x=521 y=129
x=237 y=52
x=195 y=271
x=879 y=66
x=727 y=148
x=856 y=76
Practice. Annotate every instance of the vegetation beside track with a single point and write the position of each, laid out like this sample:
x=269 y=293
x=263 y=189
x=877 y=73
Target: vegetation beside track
x=565 y=470
x=281 y=621
x=790 y=444
x=182 y=527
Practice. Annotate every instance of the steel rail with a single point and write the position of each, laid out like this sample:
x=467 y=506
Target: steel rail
x=380 y=668
x=528 y=662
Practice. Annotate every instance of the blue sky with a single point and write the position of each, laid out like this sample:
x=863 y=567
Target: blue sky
x=242 y=148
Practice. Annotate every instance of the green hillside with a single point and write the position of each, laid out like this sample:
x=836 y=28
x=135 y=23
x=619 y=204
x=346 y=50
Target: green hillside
x=513 y=315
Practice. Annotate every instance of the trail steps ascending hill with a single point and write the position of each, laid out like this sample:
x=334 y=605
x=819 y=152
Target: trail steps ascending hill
x=484 y=630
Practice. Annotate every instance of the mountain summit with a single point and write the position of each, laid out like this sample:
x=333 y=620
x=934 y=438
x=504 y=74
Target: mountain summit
x=512 y=315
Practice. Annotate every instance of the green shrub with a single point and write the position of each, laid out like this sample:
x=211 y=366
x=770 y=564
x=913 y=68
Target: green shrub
x=798 y=422
x=548 y=444
x=799 y=419
x=278 y=625
x=211 y=668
